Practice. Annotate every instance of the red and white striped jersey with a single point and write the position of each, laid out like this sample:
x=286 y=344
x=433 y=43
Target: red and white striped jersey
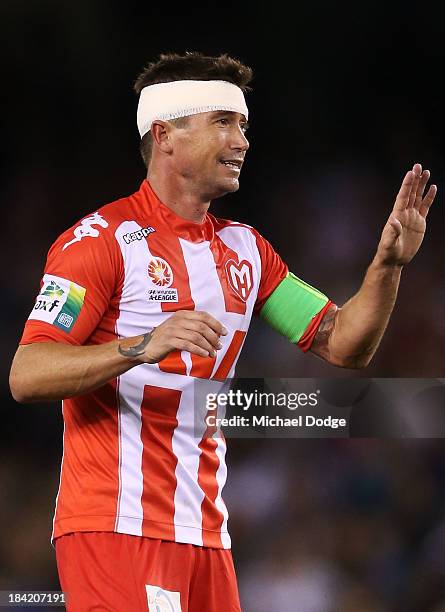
x=131 y=463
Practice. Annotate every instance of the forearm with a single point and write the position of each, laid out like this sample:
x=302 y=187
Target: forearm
x=54 y=371
x=51 y=371
x=361 y=322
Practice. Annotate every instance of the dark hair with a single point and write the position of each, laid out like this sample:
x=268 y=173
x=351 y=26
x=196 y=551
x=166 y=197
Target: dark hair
x=191 y=66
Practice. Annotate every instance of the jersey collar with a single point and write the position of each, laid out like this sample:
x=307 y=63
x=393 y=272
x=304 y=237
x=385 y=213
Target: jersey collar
x=193 y=232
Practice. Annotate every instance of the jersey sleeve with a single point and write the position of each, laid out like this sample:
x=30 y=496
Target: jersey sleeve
x=82 y=272
x=273 y=271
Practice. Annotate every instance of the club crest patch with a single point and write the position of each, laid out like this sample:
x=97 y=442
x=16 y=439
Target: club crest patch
x=240 y=277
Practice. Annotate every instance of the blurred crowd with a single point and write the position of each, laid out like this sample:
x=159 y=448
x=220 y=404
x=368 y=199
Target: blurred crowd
x=340 y=526
x=317 y=525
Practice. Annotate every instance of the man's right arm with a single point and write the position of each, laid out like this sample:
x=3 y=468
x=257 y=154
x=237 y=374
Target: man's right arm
x=48 y=371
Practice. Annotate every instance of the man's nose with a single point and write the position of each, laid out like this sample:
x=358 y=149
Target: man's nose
x=240 y=141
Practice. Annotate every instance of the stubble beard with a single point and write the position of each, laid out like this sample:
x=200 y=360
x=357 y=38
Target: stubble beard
x=220 y=188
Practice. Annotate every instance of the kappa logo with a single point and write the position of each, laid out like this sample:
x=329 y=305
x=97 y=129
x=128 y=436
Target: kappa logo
x=160 y=272
x=86 y=228
x=240 y=277
x=138 y=234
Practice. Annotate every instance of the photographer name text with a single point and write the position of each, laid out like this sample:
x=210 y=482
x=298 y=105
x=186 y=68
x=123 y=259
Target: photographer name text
x=307 y=420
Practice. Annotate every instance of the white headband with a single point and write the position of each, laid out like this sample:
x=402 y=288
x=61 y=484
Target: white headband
x=182 y=98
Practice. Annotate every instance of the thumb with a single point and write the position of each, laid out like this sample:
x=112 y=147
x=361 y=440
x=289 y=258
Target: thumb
x=396 y=226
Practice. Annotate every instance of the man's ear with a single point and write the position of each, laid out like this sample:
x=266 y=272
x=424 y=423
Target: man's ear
x=160 y=133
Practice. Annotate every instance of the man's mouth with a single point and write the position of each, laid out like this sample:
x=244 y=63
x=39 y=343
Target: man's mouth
x=235 y=164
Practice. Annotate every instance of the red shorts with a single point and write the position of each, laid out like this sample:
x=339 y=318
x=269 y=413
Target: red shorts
x=115 y=572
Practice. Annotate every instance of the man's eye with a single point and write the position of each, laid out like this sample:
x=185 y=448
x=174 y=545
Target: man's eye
x=245 y=127
x=223 y=121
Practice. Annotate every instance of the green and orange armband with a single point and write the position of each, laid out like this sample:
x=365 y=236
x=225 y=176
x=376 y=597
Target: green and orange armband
x=295 y=310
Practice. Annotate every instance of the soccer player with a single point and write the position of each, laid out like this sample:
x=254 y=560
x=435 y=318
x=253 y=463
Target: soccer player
x=146 y=295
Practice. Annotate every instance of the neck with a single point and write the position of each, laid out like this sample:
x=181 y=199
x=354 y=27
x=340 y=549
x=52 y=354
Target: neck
x=178 y=196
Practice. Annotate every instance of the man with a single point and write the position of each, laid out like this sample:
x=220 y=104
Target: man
x=143 y=297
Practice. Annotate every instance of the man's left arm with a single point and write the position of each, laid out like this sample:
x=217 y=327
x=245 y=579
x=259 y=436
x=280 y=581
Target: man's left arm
x=349 y=336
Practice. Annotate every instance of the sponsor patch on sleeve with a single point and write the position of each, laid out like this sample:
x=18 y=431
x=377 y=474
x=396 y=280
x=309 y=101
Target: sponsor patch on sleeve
x=59 y=302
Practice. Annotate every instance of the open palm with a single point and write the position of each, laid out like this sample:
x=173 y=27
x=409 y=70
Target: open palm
x=405 y=228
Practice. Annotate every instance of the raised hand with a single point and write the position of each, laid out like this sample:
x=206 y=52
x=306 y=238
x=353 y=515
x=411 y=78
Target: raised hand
x=405 y=228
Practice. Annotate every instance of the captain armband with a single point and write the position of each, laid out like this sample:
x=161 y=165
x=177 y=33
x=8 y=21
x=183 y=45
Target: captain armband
x=292 y=306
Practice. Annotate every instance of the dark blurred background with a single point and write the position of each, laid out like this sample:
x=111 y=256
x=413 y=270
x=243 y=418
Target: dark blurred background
x=346 y=98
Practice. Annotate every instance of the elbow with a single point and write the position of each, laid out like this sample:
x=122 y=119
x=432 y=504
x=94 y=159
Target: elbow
x=355 y=362
x=355 y=365
x=21 y=389
x=23 y=383
x=18 y=389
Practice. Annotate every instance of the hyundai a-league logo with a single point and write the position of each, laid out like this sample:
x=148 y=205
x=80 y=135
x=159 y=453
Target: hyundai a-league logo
x=160 y=272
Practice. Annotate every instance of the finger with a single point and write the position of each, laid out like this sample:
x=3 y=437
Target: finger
x=206 y=318
x=186 y=345
x=428 y=200
x=417 y=171
x=205 y=330
x=421 y=188
x=196 y=339
x=402 y=198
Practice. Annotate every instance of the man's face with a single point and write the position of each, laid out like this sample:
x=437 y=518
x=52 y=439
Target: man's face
x=209 y=152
